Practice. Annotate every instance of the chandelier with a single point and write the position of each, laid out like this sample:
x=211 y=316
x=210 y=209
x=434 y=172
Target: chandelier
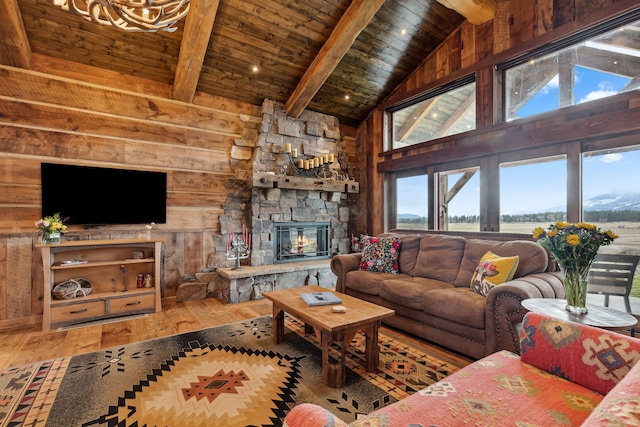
x=130 y=15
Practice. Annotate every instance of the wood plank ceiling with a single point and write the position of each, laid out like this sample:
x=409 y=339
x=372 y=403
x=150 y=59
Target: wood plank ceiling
x=304 y=53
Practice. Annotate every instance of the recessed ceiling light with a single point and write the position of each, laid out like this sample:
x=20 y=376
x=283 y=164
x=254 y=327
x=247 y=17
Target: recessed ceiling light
x=346 y=97
x=254 y=68
x=403 y=31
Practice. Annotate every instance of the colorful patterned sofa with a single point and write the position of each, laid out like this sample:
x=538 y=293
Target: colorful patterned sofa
x=566 y=374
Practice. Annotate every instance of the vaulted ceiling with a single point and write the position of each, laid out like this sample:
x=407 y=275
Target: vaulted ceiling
x=338 y=57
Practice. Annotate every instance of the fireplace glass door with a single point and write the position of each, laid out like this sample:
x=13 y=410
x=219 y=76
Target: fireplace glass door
x=301 y=241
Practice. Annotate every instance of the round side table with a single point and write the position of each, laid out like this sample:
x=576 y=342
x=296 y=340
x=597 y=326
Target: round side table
x=598 y=316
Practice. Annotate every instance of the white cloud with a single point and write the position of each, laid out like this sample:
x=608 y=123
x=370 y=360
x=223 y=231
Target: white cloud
x=552 y=84
x=604 y=89
x=612 y=158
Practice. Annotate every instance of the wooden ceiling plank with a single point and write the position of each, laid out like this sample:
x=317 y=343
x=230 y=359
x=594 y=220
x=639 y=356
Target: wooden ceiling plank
x=14 y=43
x=354 y=20
x=476 y=11
x=197 y=32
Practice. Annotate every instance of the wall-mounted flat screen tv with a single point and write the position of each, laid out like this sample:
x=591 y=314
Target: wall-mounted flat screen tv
x=93 y=196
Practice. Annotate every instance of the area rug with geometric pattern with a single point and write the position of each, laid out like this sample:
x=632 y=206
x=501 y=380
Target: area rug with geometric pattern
x=231 y=375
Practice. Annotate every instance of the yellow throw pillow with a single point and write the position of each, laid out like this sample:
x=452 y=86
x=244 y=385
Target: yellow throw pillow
x=493 y=270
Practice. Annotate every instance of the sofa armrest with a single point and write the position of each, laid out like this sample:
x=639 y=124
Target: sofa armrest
x=504 y=313
x=341 y=265
x=591 y=357
x=621 y=406
x=310 y=415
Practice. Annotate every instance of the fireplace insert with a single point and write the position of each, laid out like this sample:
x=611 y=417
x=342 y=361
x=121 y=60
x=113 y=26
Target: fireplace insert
x=301 y=241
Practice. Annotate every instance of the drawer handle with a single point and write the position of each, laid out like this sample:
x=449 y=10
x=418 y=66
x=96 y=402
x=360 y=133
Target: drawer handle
x=78 y=311
x=133 y=303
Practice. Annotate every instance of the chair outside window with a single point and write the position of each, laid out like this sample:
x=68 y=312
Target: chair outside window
x=612 y=275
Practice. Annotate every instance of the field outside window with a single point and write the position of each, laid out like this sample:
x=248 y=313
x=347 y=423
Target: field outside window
x=459 y=200
x=533 y=193
x=412 y=202
x=611 y=198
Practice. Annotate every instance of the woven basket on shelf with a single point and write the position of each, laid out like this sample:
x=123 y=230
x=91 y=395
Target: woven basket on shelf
x=72 y=288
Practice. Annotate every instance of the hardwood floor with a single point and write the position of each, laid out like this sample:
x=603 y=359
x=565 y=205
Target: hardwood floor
x=30 y=344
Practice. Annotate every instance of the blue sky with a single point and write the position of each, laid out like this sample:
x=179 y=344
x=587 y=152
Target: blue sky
x=533 y=188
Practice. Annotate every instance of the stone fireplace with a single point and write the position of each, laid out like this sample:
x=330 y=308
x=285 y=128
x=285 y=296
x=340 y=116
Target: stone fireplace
x=283 y=204
x=301 y=241
x=281 y=196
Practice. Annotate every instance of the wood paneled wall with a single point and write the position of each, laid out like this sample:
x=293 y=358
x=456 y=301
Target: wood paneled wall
x=66 y=113
x=519 y=26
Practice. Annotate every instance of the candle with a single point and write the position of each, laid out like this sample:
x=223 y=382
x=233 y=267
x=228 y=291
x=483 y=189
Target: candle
x=300 y=163
x=306 y=164
x=330 y=157
x=287 y=147
x=294 y=152
x=326 y=158
x=321 y=160
x=316 y=162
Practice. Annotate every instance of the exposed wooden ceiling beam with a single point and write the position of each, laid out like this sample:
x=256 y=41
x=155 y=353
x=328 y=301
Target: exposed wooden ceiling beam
x=195 y=40
x=14 y=44
x=476 y=11
x=413 y=120
x=354 y=20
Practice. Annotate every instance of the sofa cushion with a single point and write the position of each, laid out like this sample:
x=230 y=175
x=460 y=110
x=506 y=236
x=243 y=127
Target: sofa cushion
x=380 y=254
x=409 y=291
x=409 y=254
x=460 y=305
x=368 y=282
x=440 y=257
x=493 y=270
x=533 y=257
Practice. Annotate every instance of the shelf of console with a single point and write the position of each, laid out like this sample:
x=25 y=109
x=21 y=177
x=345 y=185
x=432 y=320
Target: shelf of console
x=112 y=267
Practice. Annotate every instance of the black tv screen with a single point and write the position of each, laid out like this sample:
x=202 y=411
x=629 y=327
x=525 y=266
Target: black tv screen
x=93 y=196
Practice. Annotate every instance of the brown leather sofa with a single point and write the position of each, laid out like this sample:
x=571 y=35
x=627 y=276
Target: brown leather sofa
x=431 y=293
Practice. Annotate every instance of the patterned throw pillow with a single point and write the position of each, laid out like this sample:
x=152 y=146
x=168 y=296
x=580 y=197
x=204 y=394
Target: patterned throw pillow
x=493 y=270
x=380 y=254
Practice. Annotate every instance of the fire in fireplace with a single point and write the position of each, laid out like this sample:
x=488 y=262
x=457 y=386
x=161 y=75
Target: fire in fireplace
x=301 y=241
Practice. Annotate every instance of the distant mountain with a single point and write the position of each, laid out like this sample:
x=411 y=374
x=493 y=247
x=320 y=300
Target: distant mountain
x=408 y=216
x=613 y=202
x=603 y=202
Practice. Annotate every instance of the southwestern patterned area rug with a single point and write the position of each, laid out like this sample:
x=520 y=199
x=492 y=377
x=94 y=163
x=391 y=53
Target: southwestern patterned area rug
x=229 y=376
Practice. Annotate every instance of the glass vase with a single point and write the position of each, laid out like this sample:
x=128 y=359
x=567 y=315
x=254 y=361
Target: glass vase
x=575 y=288
x=49 y=237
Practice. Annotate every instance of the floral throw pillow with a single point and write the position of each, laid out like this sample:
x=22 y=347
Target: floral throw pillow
x=380 y=254
x=493 y=270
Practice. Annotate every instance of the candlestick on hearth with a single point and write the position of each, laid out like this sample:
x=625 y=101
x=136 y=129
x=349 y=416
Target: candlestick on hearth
x=238 y=246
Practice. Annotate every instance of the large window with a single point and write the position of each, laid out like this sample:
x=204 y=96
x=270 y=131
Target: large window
x=532 y=193
x=611 y=195
x=459 y=200
x=446 y=111
x=595 y=67
x=412 y=194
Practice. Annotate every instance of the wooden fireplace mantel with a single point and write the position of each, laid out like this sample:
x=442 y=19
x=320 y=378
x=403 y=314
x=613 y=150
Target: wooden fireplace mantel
x=267 y=180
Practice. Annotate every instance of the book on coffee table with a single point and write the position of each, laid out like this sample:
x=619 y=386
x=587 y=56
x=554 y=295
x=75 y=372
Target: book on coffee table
x=320 y=298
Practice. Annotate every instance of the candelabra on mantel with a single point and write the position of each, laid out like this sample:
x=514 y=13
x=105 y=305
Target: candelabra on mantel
x=238 y=246
x=318 y=166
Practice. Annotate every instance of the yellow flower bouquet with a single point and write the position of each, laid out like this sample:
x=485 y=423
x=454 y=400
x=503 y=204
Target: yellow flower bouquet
x=574 y=246
x=51 y=227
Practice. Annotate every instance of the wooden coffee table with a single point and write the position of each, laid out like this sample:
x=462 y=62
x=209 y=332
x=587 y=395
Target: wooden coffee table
x=330 y=327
